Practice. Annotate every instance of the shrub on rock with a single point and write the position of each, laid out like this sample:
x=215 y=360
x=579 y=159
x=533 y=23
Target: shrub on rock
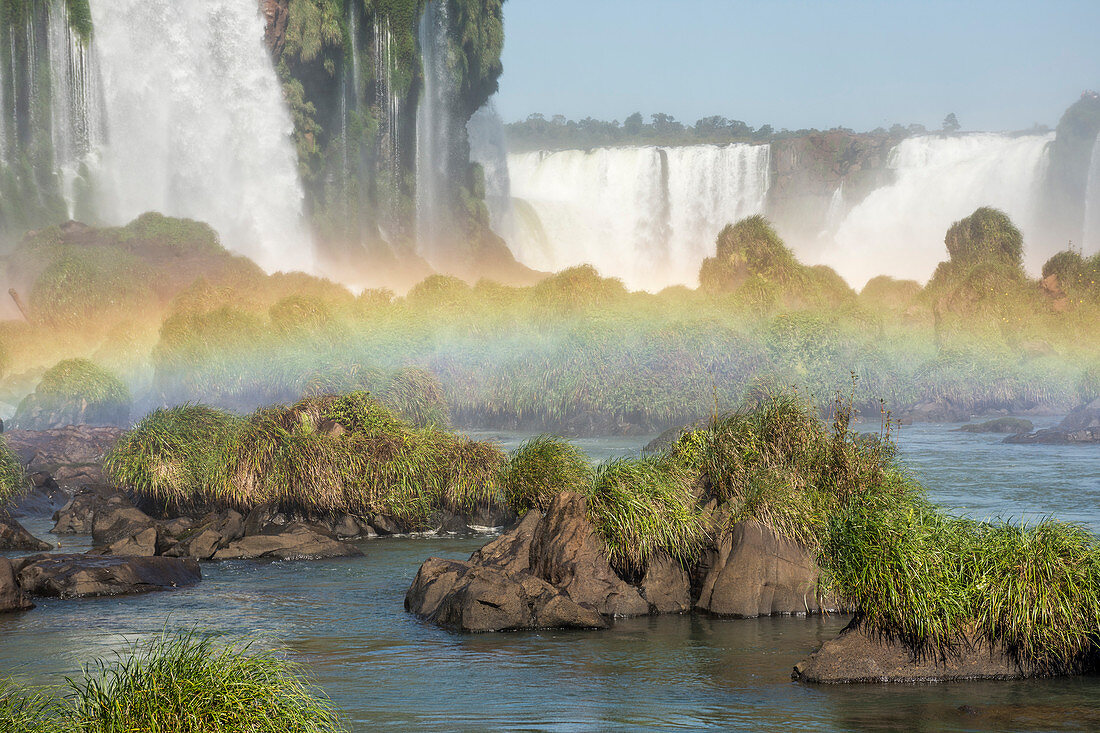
x=75 y=392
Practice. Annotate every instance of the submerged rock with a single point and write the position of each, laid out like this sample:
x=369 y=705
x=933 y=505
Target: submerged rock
x=13 y=536
x=859 y=656
x=754 y=572
x=12 y=597
x=71 y=576
x=1003 y=425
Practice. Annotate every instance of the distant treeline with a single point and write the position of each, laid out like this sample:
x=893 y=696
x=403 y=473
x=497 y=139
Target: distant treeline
x=539 y=132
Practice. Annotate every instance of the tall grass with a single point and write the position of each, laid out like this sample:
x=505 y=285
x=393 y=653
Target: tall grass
x=540 y=469
x=188 y=683
x=30 y=711
x=13 y=479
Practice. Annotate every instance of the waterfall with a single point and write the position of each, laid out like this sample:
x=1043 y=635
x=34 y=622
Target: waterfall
x=899 y=229
x=489 y=149
x=434 y=134
x=76 y=128
x=1091 y=242
x=197 y=126
x=645 y=214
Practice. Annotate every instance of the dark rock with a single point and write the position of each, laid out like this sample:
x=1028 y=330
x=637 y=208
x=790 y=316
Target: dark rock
x=69 y=576
x=484 y=598
x=13 y=536
x=492 y=516
x=296 y=541
x=145 y=542
x=1081 y=426
x=384 y=525
x=12 y=597
x=567 y=553
x=665 y=586
x=263 y=518
x=117 y=519
x=858 y=656
x=754 y=572
x=44 y=498
x=72 y=455
x=78 y=515
x=448 y=522
x=1003 y=425
x=512 y=550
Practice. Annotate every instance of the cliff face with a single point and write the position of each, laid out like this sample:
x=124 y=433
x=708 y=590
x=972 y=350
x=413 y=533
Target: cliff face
x=1067 y=176
x=808 y=171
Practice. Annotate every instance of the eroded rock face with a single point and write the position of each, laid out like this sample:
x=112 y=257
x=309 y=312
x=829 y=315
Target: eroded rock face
x=858 y=656
x=72 y=576
x=666 y=586
x=78 y=515
x=202 y=539
x=567 y=553
x=511 y=551
x=13 y=536
x=72 y=455
x=753 y=572
x=485 y=598
x=12 y=597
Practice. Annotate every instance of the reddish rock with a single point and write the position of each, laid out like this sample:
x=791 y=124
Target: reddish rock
x=12 y=597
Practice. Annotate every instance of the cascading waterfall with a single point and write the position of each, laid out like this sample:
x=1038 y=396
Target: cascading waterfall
x=1091 y=243
x=645 y=214
x=76 y=128
x=489 y=149
x=434 y=133
x=899 y=229
x=197 y=126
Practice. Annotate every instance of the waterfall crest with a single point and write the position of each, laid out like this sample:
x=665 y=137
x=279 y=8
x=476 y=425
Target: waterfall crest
x=196 y=125
x=899 y=229
x=648 y=215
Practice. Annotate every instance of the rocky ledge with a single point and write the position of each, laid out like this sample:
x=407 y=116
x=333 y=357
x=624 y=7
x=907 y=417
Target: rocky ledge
x=71 y=456
x=1081 y=427
x=858 y=655
x=78 y=576
x=552 y=571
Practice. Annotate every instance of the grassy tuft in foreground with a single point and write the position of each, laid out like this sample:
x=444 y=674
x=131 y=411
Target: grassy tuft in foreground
x=183 y=683
x=13 y=479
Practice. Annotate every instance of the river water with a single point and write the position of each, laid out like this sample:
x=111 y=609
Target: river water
x=388 y=670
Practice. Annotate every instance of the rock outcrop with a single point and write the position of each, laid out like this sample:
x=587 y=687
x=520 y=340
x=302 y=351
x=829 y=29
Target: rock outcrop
x=754 y=572
x=13 y=536
x=74 y=576
x=295 y=541
x=1080 y=427
x=1002 y=425
x=71 y=455
x=12 y=597
x=859 y=656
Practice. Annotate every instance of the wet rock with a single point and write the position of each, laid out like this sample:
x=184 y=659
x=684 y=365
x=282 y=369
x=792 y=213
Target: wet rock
x=754 y=572
x=210 y=534
x=296 y=541
x=72 y=455
x=43 y=499
x=859 y=656
x=12 y=597
x=384 y=525
x=13 y=536
x=665 y=586
x=117 y=519
x=71 y=576
x=567 y=553
x=492 y=516
x=484 y=598
x=145 y=542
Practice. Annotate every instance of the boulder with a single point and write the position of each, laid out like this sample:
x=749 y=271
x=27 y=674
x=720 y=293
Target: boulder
x=44 y=498
x=491 y=516
x=117 y=519
x=567 y=553
x=1081 y=426
x=296 y=541
x=484 y=598
x=78 y=515
x=72 y=455
x=145 y=542
x=14 y=537
x=754 y=572
x=1002 y=425
x=384 y=525
x=512 y=550
x=857 y=655
x=12 y=597
x=70 y=576
x=666 y=586
x=210 y=534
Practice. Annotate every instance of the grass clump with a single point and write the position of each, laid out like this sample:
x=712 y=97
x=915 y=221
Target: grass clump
x=187 y=683
x=540 y=469
x=645 y=506
x=417 y=396
x=29 y=711
x=74 y=392
x=177 y=456
x=13 y=479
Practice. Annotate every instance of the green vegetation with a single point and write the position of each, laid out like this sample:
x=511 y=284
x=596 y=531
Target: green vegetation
x=184 y=683
x=13 y=479
x=75 y=392
x=540 y=469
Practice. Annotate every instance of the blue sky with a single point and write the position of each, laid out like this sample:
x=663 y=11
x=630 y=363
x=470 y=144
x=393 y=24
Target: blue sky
x=998 y=65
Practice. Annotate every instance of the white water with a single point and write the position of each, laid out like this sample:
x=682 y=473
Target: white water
x=1091 y=241
x=644 y=214
x=197 y=126
x=899 y=229
x=434 y=135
